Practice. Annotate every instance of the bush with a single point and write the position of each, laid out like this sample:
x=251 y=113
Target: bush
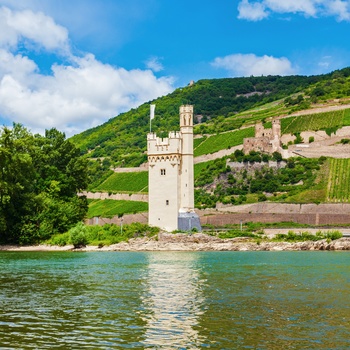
x=332 y=235
x=78 y=235
x=60 y=239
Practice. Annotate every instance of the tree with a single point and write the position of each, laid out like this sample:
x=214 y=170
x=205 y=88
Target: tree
x=39 y=180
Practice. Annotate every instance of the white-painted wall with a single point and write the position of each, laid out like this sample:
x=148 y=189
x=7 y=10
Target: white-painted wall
x=171 y=174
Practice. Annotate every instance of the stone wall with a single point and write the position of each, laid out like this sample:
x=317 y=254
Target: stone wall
x=312 y=214
x=310 y=219
x=117 y=196
x=283 y=208
x=126 y=219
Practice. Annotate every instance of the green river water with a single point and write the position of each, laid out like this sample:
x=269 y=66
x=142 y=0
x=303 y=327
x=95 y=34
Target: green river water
x=175 y=300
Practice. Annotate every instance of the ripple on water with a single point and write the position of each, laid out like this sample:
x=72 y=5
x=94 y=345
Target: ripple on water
x=225 y=300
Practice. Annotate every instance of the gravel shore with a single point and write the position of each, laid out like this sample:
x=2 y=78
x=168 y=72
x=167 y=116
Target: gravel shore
x=196 y=242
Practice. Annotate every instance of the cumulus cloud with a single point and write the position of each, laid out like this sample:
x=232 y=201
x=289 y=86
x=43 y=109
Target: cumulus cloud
x=250 y=64
x=27 y=25
x=76 y=95
x=255 y=10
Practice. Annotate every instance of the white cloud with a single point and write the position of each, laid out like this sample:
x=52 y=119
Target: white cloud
x=27 y=25
x=340 y=9
x=306 y=7
x=251 y=11
x=77 y=95
x=260 y=9
x=250 y=64
x=154 y=64
x=17 y=66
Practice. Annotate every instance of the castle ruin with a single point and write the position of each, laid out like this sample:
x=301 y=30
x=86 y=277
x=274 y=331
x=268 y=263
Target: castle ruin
x=265 y=140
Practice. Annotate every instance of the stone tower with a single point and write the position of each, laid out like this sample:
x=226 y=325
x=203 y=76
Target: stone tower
x=171 y=177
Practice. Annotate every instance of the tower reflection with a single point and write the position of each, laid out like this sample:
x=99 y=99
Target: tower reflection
x=174 y=301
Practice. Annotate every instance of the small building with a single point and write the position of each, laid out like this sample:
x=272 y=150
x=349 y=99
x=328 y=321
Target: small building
x=171 y=177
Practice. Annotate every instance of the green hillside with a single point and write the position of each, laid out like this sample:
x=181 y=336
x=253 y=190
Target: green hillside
x=225 y=112
x=219 y=105
x=329 y=121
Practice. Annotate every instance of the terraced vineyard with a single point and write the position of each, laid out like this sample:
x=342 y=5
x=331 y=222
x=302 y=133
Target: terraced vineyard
x=125 y=182
x=346 y=120
x=318 y=121
x=109 y=208
x=268 y=110
x=225 y=140
x=339 y=181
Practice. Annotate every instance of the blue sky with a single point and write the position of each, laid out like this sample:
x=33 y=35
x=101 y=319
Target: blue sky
x=74 y=64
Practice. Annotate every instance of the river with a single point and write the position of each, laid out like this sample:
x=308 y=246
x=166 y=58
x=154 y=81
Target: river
x=174 y=300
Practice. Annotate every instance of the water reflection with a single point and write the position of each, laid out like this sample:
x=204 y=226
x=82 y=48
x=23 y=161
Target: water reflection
x=174 y=301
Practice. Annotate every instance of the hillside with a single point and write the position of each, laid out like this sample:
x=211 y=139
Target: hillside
x=318 y=104
x=219 y=105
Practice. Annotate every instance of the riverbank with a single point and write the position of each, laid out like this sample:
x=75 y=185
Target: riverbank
x=197 y=242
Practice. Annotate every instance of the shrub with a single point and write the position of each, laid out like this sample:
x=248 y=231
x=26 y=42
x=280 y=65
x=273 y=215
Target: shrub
x=78 y=235
x=332 y=235
x=60 y=239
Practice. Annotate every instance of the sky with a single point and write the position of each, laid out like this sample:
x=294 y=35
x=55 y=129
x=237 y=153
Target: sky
x=74 y=64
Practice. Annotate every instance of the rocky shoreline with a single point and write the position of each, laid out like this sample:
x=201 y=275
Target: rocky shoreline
x=197 y=242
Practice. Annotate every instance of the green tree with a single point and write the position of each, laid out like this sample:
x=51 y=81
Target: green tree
x=39 y=180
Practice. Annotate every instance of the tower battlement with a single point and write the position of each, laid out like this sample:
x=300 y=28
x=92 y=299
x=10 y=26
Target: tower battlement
x=162 y=146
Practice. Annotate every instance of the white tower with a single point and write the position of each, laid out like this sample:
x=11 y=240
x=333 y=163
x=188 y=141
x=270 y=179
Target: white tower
x=171 y=177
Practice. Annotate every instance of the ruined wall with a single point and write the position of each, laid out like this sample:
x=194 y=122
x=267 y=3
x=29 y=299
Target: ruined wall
x=265 y=140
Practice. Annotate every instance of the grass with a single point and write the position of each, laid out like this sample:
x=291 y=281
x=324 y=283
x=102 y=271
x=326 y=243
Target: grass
x=291 y=236
x=198 y=141
x=266 y=111
x=306 y=236
x=225 y=140
x=125 y=182
x=108 y=208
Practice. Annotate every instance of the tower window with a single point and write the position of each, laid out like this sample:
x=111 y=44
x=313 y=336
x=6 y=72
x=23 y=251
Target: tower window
x=167 y=202
x=162 y=172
